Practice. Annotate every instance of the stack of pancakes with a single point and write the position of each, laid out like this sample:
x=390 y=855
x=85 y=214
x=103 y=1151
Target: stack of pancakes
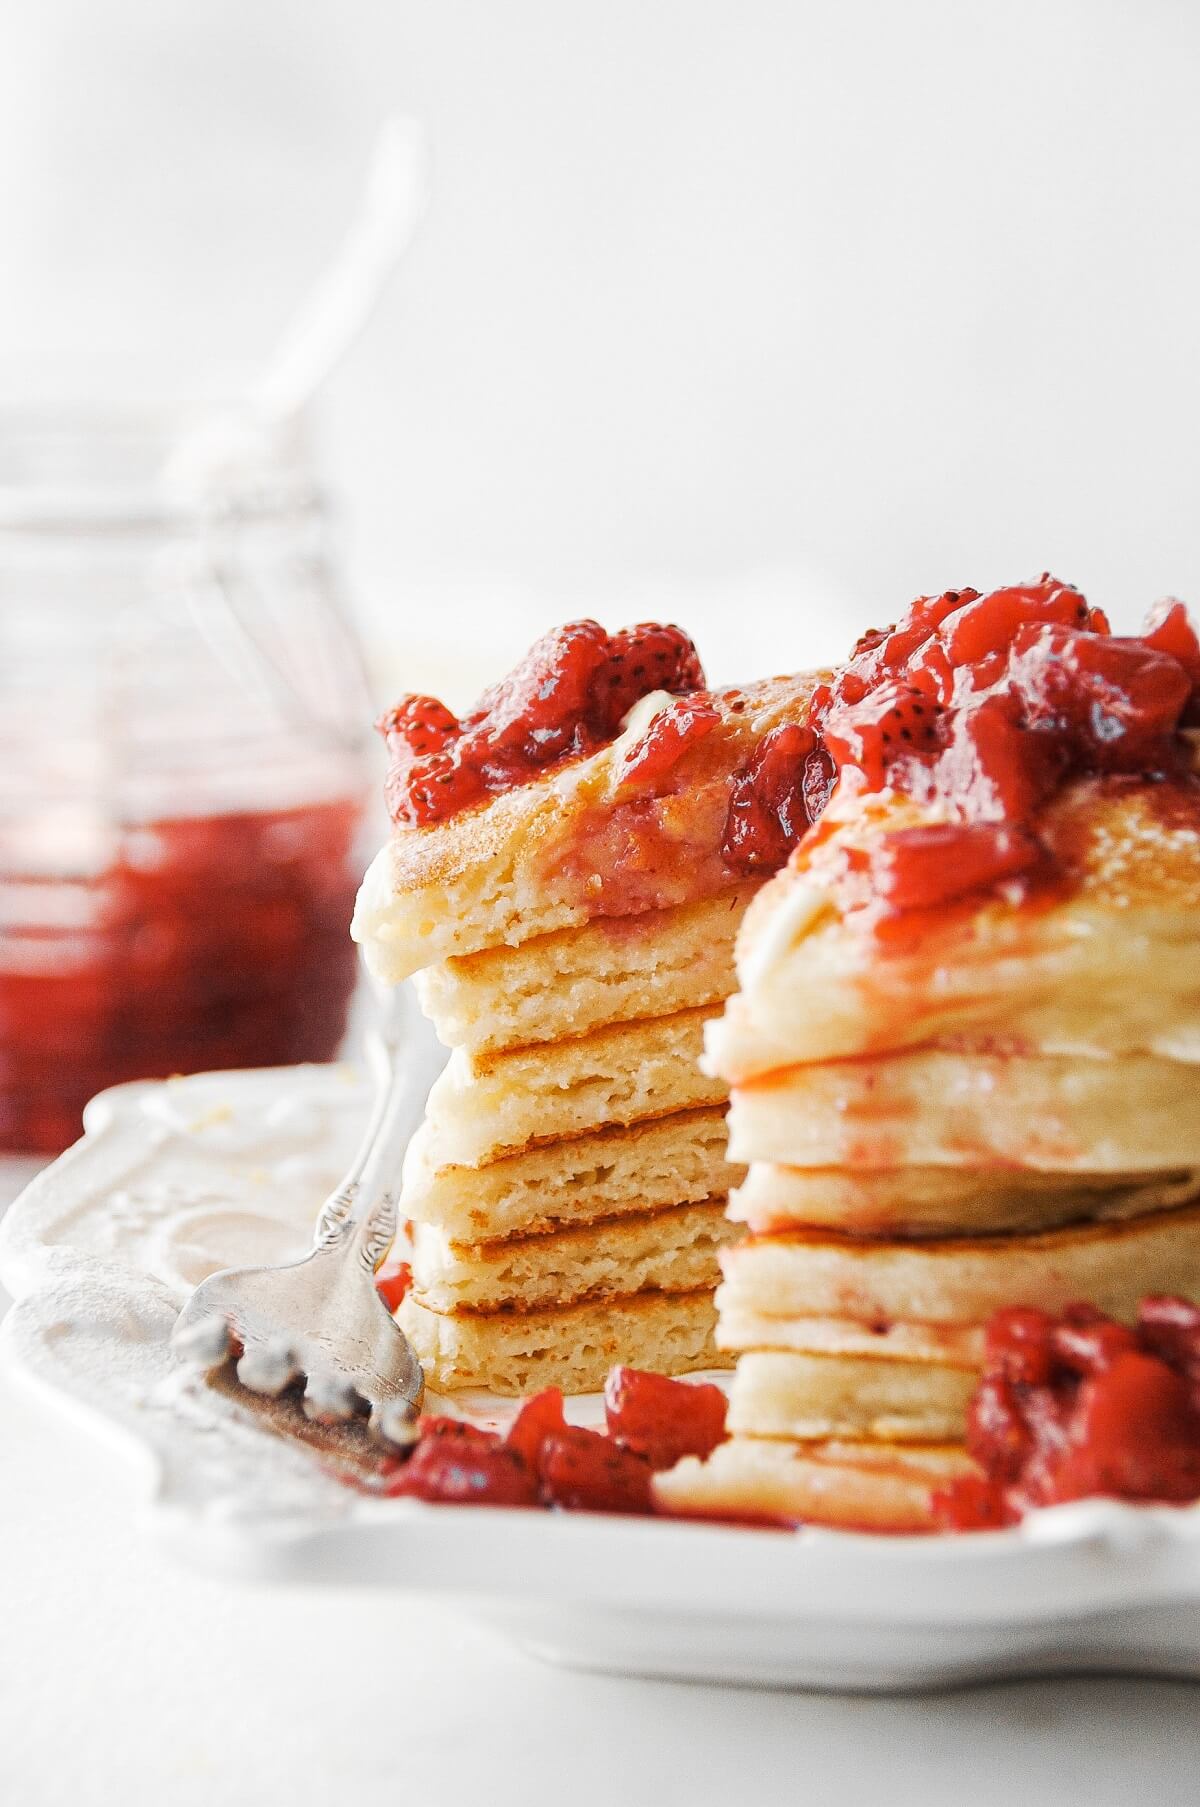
x=567 y=1191
x=999 y=1105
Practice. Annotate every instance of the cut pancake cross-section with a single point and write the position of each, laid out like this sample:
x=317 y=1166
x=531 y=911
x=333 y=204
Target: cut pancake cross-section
x=570 y=934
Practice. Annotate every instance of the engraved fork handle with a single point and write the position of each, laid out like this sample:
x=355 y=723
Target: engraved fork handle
x=363 y=1209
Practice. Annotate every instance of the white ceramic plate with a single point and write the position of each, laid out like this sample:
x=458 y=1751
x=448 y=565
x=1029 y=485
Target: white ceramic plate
x=171 y=1181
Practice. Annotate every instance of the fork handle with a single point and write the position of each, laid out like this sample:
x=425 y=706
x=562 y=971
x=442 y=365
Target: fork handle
x=364 y=1207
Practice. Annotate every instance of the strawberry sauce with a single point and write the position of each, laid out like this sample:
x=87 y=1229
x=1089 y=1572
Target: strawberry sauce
x=1078 y=1406
x=650 y=1422
x=982 y=707
x=207 y=942
x=564 y=700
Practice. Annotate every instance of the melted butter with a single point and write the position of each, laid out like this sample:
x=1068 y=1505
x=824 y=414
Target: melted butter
x=589 y=778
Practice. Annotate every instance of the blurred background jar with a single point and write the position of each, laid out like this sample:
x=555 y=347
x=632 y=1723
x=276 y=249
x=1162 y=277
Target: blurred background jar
x=183 y=767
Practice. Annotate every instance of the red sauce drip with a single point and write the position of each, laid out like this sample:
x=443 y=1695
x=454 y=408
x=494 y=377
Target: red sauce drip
x=544 y=1461
x=918 y=868
x=392 y=1282
x=986 y=705
x=211 y=942
x=565 y=699
x=1080 y=1405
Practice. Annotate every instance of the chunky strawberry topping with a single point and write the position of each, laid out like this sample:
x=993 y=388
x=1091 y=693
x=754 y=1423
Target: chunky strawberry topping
x=1079 y=1405
x=1170 y=631
x=463 y=1466
x=661 y=1419
x=982 y=707
x=544 y=1461
x=541 y=1416
x=776 y=796
x=666 y=740
x=566 y=698
x=583 y=1471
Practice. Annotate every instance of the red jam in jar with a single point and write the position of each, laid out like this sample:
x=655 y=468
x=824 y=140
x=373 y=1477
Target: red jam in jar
x=182 y=702
x=208 y=942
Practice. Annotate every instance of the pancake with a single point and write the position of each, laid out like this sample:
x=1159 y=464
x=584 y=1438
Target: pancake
x=944 y=1201
x=614 y=970
x=673 y=1250
x=567 y=1188
x=814 y=1397
x=860 y=1486
x=743 y=1327
x=678 y=1159
x=1108 y=963
x=572 y=1347
x=954 y=1100
x=778 y=1289
x=567 y=847
x=488 y=1106
x=934 y=1108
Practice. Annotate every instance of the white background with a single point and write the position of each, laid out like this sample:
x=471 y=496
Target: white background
x=772 y=315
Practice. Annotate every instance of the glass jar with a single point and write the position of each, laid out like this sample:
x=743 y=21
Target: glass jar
x=183 y=770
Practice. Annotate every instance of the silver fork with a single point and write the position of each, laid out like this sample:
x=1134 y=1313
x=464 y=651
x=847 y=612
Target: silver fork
x=320 y=1320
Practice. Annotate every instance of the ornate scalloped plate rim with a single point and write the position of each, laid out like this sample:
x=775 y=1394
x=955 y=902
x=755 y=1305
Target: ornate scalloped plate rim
x=1094 y=1585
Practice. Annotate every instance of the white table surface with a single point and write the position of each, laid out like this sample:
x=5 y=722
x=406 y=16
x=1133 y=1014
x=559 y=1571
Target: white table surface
x=125 y=1680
